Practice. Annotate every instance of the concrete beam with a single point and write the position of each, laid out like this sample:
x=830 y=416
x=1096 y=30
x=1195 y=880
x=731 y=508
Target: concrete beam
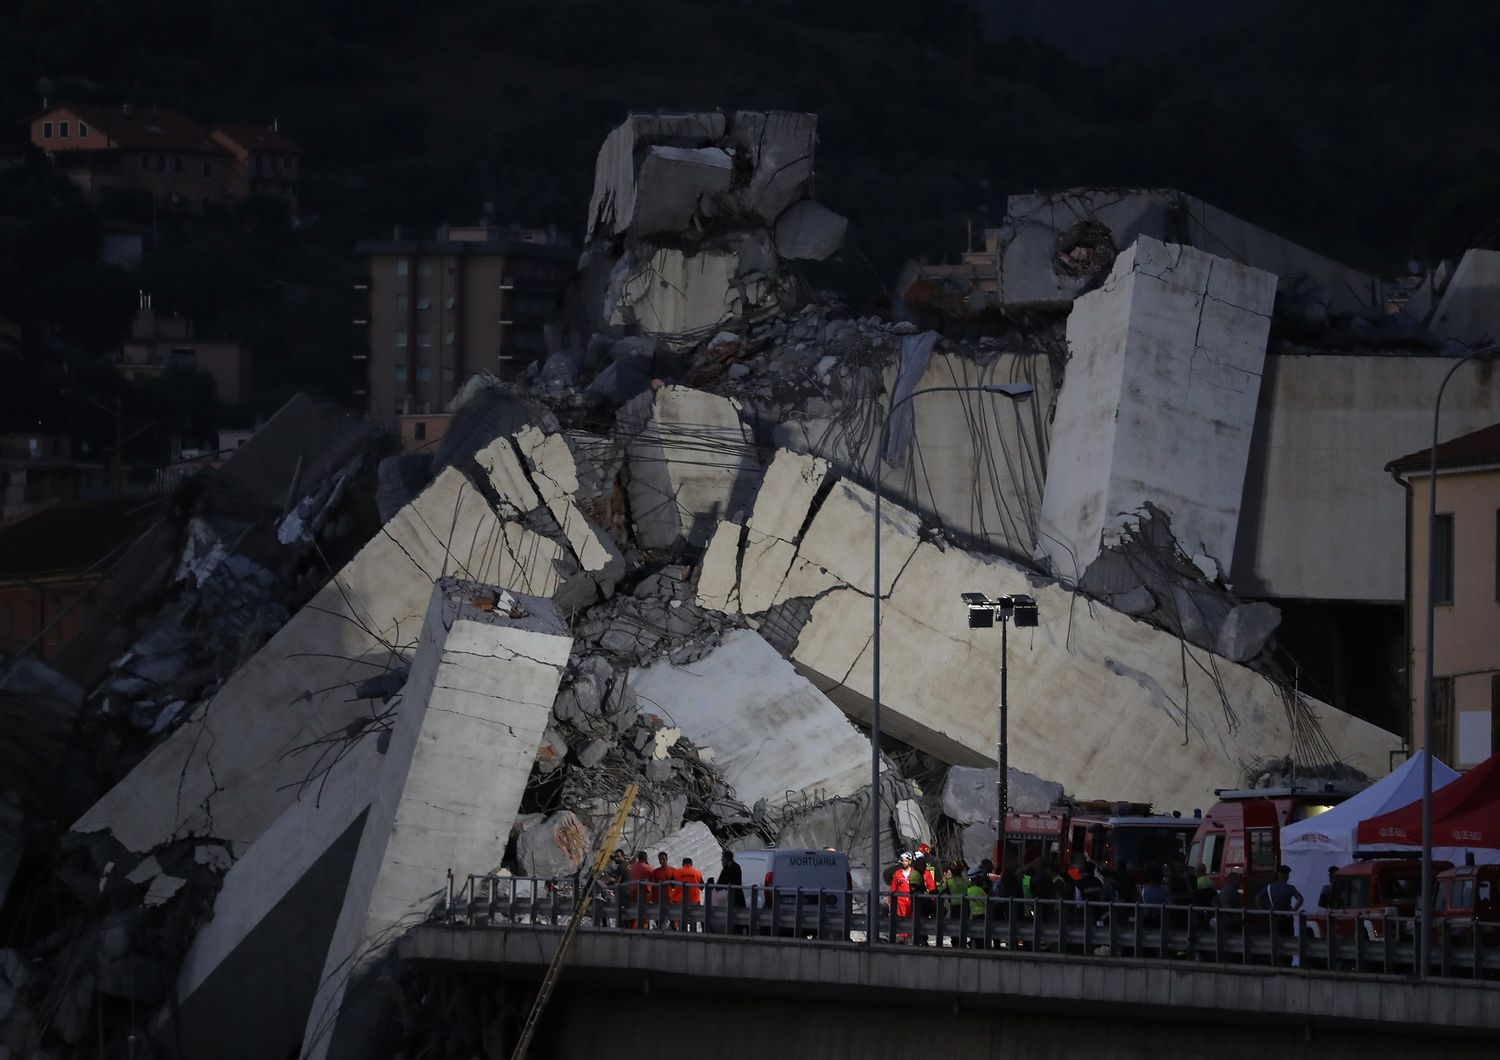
x=472 y=716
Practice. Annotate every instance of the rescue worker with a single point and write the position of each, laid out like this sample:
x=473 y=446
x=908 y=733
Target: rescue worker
x=617 y=871
x=901 y=888
x=923 y=884
x=640 y=894
x=665 y=874
x=692 y=882
x=1325 y=896
x=1281 y=897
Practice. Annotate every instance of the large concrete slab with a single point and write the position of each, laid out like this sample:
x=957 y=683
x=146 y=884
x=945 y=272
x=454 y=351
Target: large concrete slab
x=472 y=716
x=234 y=766
x=613 y=205
x=1109 y=707
x=1158 y=404
x=774 y=736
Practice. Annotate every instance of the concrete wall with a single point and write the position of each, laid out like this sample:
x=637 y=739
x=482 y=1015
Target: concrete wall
x=830 y=999
x=1469 y=310
x=1321 y=518
x=1466 y=633
x=1158 y=402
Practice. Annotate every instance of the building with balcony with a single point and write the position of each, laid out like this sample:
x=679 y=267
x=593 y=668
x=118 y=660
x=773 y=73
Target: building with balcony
x=266 y=161
x=1465 y=594
x=437 y=312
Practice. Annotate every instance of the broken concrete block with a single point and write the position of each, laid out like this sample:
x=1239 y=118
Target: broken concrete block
x=1137 y=601
x=1467 y=311
x=773 y=733
x=672 y=184
x=679 y=297
x=779 y=146
x=1174 y=340
x=1246 y=630
x=613 y=205
x=552 y=751
x=555 y=846
x=693 y=840
x=911 y=825
x=692 y=463
x=970 y=795
x=809 y=231
x=592 y=751
x=296 y=689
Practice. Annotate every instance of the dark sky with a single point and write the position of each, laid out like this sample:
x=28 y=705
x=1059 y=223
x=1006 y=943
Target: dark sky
x=1094 y=31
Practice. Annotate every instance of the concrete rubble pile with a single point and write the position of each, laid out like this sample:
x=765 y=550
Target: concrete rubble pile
x=649 y=561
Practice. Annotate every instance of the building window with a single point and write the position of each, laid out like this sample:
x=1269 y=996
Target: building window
x=424 y=269
x=400 y=373
x=62 y=130
x=424 y=302
x=1441 y=743
x=449 y=304
x=46 y=130
x=448 y=339
x=419 y=430
x=401 y=267
x=424 y=374
x=401 y=303
x=1442 y=572
x=83 y=130
x=208 y=168
x=400 y=340
x=424 y=339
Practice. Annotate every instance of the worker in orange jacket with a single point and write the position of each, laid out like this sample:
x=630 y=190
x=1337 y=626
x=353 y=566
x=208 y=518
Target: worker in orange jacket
x=665 y=874
x=692 y=882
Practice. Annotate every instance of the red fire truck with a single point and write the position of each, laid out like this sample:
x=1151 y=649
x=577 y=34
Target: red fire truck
x=1113 y=835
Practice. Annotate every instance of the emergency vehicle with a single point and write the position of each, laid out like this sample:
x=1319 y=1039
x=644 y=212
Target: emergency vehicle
x=1118 y=836
x=1242 y=831
x=1365 y=894
x=1466 y=899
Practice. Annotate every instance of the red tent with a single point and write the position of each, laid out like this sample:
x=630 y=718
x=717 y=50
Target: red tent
x=1465 y=813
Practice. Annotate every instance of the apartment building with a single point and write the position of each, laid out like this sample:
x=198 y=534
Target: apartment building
x=439 y=311
x=158 y=342
x=1465 y=594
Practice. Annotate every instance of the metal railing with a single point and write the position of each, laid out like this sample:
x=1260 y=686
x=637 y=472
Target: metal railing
x=1349 y=942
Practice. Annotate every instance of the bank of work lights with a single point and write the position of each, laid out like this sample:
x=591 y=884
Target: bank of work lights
x=983 y=611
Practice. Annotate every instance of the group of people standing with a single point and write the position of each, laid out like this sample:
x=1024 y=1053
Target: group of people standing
x=919 y=881
x=649 y=886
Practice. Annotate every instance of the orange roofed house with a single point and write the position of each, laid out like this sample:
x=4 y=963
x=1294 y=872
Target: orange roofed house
x=120 y=149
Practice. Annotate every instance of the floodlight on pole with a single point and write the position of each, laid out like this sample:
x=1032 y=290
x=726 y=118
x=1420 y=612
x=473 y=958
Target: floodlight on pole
x=983 y=612
x=1016 y=392
x=1424 y=944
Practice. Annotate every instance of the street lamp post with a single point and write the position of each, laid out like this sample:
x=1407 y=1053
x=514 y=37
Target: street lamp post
x=1016 y=392
x=1424 y=944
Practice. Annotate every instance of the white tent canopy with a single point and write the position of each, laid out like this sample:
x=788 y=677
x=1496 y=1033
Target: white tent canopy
x=1311 y=847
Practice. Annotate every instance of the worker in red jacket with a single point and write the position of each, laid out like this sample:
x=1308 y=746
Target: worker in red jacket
x=640 y=893
x=665 y=875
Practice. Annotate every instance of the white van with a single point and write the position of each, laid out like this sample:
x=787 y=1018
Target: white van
x=786 y=870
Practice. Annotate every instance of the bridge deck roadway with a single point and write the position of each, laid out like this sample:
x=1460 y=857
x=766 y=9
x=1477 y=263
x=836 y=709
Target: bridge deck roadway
x=958 y=979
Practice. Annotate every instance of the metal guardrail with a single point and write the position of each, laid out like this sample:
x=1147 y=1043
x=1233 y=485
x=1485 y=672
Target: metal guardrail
x=1354 y=943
